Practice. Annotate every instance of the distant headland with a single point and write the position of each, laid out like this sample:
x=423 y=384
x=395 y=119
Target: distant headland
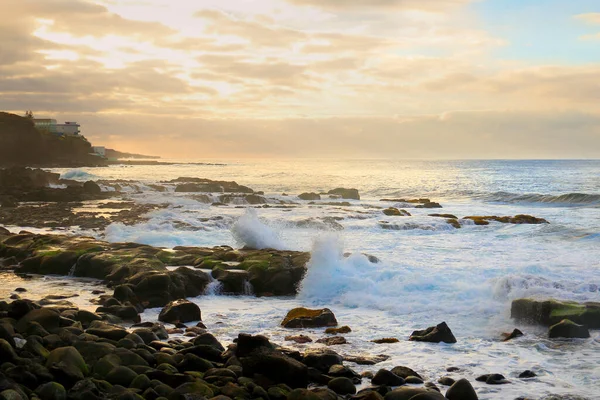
x=28 y=141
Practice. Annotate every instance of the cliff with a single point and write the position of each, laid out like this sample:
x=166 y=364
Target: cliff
x=21 y=144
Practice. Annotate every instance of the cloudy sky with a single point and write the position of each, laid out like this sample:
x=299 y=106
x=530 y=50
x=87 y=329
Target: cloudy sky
x=311 y=78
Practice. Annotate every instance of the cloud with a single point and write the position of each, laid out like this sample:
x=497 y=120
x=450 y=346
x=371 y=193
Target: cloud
x=590 y=18
x=421 y=5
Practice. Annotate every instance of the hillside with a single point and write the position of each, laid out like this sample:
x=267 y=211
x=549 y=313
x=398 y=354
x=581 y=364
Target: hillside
x=21 y=144
x=115 y=155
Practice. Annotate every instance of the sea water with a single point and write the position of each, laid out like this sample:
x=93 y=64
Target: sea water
x=428 y=271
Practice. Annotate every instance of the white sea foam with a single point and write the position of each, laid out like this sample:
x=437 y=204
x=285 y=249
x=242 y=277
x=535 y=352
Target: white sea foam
x=77 y=175
x=250 y=231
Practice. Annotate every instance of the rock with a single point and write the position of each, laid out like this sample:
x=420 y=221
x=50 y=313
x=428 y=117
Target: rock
x=366 y=359
x=342 y=386
x=447 y=216
x=405 y=372
x=192 y=390
x=107 y=331
x=209 y=340
x=388 y=378
x=11 y=394
x=339 y=370
x=7 y=352
x=67 y=365
x=121 y=376
x=513 y=335
x=408 y=393
x=47 y=318
x=550 y=312
x=332 y=341
x=349 y=194
x=568 y=329
x=335 y=331
x=180 y=311
x=517 y=219
x=385 y=340
x=446 y=381
x=321 y=359
x=429 y=205
x=91 y=187
x=527 y=374
x=492 y=379
x=394 y=212
x=300 y=339
x=51 y=391
x=258 y=357
x=434 y=334
x=414 y=380
x=461 y=390
x=309 y=196
x=306 y=318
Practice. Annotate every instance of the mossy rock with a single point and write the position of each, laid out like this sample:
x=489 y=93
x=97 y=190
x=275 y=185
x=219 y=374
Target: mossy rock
x=550 y=312
x=306 y=318
x=67 y=363
x=254 y=264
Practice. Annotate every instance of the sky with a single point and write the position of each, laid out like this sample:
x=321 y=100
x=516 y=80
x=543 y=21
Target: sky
x=311 y=78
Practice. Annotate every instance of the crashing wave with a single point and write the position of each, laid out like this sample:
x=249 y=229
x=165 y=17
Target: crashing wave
x=564 y=199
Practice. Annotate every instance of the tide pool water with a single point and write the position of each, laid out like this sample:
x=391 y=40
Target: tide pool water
x=428 y=271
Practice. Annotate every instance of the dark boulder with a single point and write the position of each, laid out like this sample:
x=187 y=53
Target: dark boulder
x=309 y=196
x=91 y=187
x=568 y=329
x=513 y=335
x=550 y=312
x=258 y=357
x=322 y=359
x=107 y=331
x=405 y=372
x=434 y=334
x=305 y=318
x=180 y=311
x=461 y=390
x=388 y=378
x=349 y=194
x=342 y=386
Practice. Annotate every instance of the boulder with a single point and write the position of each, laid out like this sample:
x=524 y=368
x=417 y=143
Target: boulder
x=51 y=391
x=342 y=386
x=513 y=335
x=309 y=196
x=394 y=212
x=67 y=365
x=461 y=390
x=388 y=378
x=7 y=352
x=180 y=311
x=434 y=334
x=405 y=372
x=305 y=318
x=568 y=329
x=341 y=329
x=408 y=393
x=107 y=331
x=429 y=205
x=332 y=341
x=300 y=339
x=47 y=318
x=349 y=194
x=322 y=359
x=550 y=312
x=91 y=187
x=258 y=357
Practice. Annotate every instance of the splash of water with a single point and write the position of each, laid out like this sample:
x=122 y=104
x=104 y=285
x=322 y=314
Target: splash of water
x=250 y=231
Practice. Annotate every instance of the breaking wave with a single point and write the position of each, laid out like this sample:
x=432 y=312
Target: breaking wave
x=576 y=199
x=77 y=175
x=250 y=231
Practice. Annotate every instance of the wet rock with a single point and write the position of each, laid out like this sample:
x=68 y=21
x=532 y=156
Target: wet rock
x=349 y=194
x=258 y=357
x=414 y=380
x=446 y=381
x=408 y=393
x=568 y=329
x=394 y=212
x=180 y=311
x=435 y=334
x=388 y=378
x=45 y=317
x=366 y=359
x=332 y=341
x=91 y=187
x=447 y=216
x=342 y=386
x=527 y=374
x=300 y=339
x=67 y=365
x=429 y=205
x=7 y=352
x=385 y=340
x=461 y=390
x=321 y=359
x=208 y=339
x=233 y=281
x=309 y=196
x=51 y=391
x=550 y=312
x=107 y=331
x=405 y=372
x=513 y=335
x=492 y=379
x=517 y=219
x=335 y=331
x=306 y=318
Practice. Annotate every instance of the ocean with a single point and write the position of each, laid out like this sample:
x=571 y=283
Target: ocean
x=428 y=271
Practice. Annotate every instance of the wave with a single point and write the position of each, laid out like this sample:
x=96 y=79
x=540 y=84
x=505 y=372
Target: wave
x=250 y=231
x=77 y=175
x=564 y=199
